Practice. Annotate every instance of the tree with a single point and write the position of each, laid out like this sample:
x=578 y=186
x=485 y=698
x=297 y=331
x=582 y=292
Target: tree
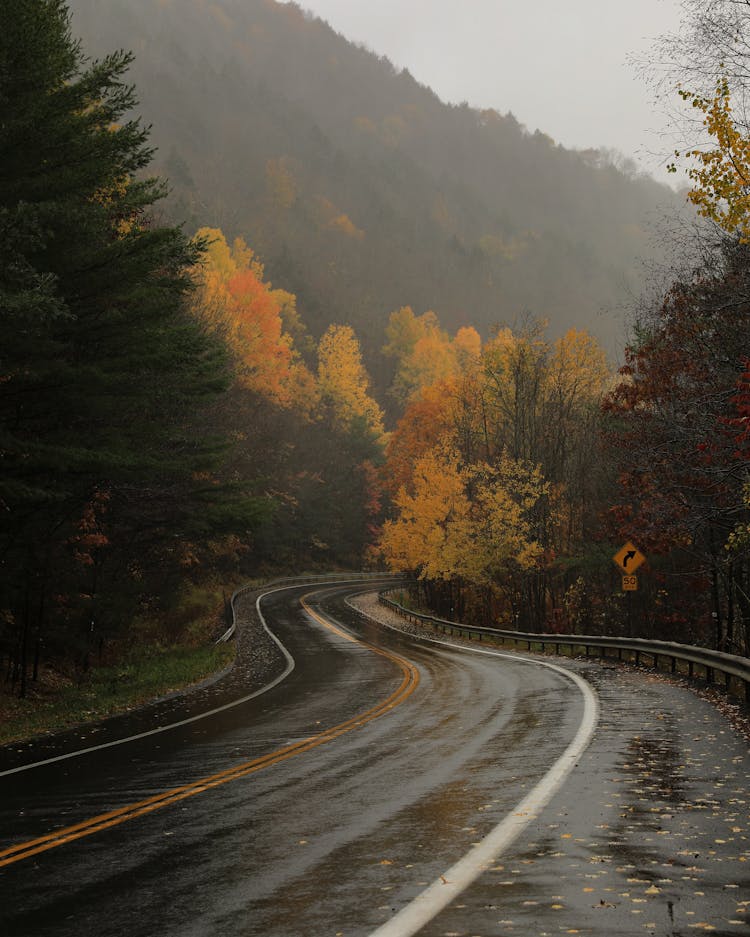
x=721 y=174
x=425 y=353
x=522 y=416
x=461 y=526
x=100 y=366
x=679 y=450
x=235 y=303
x=427 y=419
x=707 y=62
x=421 y=538
x=343 y=382
x=514 y=367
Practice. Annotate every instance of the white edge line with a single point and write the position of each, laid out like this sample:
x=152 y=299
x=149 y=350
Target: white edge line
x=445 y=889
x=199 y=716
x=183 y=722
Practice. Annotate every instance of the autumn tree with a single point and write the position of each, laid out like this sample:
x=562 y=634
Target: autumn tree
x=466 y=526
x=540 y=402
x=254 y=320
x=521 y=411
x=427 y=419
x=720 y=172
x=682 y=465
x=351 y=448
x=421 y=538
x=514 y=369
x=424 y=352
x=343 y=383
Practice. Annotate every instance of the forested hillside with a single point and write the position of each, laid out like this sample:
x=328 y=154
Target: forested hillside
x=361 y=191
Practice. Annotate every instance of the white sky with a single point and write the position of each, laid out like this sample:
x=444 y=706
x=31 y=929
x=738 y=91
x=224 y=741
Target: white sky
x=560 y=66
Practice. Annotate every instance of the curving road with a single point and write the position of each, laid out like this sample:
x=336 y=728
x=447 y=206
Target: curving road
x=349 y=794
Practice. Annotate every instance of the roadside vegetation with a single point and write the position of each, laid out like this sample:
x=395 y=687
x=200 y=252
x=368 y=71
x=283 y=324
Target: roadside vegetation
x=153 y=658
x=167 y=426
x=58 y=701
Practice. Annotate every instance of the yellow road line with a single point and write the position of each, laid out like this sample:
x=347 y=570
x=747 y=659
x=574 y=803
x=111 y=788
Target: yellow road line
x=122 y=814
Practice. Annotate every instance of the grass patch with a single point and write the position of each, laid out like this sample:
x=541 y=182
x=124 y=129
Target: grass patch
x=57 y=702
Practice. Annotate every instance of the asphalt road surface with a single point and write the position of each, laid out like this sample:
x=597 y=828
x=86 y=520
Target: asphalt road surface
x=388 y=787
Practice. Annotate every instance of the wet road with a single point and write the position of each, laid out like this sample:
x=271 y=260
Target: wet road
x=335 y=832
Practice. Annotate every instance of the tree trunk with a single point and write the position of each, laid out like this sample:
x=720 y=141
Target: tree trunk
x=24 y=645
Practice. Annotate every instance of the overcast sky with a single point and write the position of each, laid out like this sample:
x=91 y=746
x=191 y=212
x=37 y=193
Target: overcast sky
x=559 y=65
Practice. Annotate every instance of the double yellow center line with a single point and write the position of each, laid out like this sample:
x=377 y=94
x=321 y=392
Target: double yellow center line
x=409 y=682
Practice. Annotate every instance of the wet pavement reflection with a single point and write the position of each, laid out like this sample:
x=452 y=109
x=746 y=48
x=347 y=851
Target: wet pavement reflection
x=648 y=836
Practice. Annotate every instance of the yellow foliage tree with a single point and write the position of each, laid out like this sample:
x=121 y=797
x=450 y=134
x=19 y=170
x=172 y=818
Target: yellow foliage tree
x=343 y=381
x=514 y=369
x=425 y=352
x=505 y=520
x=471 y=523
x=468 y=347
x=422 y=536
x=721 y=176
x=578 y=368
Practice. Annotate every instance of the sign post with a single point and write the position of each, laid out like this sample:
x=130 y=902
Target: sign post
x=628 y=559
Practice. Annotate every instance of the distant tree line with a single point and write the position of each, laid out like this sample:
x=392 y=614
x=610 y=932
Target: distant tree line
x=362 y=191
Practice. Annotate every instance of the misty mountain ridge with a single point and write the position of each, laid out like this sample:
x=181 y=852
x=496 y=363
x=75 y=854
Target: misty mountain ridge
x=359 y=189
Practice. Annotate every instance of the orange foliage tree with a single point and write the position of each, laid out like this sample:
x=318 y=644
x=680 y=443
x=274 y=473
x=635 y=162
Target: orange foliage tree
x=425 y=353
x=234 y=301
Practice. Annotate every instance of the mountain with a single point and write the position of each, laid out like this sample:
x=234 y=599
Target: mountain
x=359 y=189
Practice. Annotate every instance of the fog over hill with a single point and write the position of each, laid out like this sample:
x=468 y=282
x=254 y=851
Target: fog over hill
x=360 y=190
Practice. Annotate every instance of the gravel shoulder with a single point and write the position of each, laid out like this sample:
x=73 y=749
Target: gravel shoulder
x=257 y=662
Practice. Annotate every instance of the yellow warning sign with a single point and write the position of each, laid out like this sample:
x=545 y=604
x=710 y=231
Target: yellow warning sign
x=629 y=583
x=629 y=558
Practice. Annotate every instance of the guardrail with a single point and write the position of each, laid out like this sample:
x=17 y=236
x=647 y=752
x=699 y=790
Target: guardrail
x=735 y=670
x=296 y=580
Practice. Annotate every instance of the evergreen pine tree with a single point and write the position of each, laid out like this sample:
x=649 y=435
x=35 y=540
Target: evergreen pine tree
x=100 y=368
